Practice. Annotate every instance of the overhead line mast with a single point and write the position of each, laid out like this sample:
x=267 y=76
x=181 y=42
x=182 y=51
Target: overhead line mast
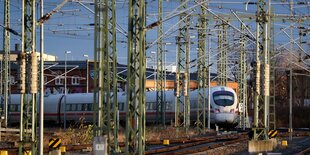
x=161 y=105
x=28 y=68
x=222 y=64
x=242 y=80
x=136 y=69
x=6 y=57
x=112 y=70
x=261 y=97
x=202 y=71
x=105 y=65
x=182 y=114
x=272 y=98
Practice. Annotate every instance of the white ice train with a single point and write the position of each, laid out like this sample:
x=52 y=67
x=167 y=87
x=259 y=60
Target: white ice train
x=224 y=107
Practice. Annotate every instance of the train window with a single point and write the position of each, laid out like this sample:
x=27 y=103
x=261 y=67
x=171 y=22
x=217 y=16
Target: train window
x=83 y=107
x=148 y=106
x=79 y=107
x=89 y=107
x=74 y=107
x=121 y=106
x=18 y=107
x=168 y=106
x=12 y=108
x=68 y=107
x=223 y=98
x=154 y=106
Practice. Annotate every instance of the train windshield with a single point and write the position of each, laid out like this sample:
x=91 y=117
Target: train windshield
x=223 y=98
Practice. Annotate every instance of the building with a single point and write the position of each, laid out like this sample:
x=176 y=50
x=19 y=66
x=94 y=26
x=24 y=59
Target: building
x=79 y=72
x=14 y=55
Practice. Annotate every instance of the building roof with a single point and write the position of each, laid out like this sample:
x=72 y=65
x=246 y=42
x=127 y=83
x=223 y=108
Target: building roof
x=121 y=69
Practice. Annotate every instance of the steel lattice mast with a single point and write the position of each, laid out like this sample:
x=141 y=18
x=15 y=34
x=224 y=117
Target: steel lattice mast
x=6 y=55
x=160 y=108
x=201 y=78
x=105 y=65
x=261 y=101
x=112 y=54
x=222 y=64
x=101 y=110
x=182 y=74
x=28 y=110
x=242 y=80
x=272 y=99
x=136 y=68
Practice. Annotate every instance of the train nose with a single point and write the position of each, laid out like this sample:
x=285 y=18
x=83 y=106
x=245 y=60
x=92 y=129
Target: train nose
x=225 y=118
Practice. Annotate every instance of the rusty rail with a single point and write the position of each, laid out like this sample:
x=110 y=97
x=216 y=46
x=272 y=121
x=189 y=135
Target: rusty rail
x=199 y=141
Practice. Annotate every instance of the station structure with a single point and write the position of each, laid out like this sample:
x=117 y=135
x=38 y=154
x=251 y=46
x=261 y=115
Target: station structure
x=105 y=68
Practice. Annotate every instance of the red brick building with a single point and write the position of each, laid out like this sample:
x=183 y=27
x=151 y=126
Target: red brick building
x=54 y=77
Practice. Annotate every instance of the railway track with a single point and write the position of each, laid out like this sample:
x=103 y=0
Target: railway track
x=195 y=145
x=305 y=151
x=186 y=145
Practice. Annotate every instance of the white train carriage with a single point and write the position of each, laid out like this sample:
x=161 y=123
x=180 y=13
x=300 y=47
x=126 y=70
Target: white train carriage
x=223 y=103
x=224 y=106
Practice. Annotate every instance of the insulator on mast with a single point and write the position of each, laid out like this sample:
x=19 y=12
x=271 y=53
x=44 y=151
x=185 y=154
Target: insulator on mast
x=34 y=73
x=22 y=68
x=267 y=80
x=185 y=84
x=257 y=77
x=177 y=86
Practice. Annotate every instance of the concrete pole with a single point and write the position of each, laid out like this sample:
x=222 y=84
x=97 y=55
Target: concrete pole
x=65 y=97
x=86 y=56
x=291 y=101
x=87 y=79
x=291 y=72
x=209 y=81
x=41 y=127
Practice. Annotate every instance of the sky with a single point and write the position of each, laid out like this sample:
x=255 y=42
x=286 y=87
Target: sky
x=70 y=29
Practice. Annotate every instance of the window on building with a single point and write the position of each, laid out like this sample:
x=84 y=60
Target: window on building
x=75 y=80
x=45 y=79
x=12 y=80
x=59 y=81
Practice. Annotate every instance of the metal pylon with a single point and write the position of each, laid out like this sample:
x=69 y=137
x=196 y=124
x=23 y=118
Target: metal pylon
x=101 y=110
x=261 y=99
x=222 y=64
x=112 y=69
x=182 y=114
x=160 y=108
x=6 y=57
x=28 y=59
x=272 y=98
x=242 y=80
x=136 y=68
x=201 y=68
x=105 y=65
